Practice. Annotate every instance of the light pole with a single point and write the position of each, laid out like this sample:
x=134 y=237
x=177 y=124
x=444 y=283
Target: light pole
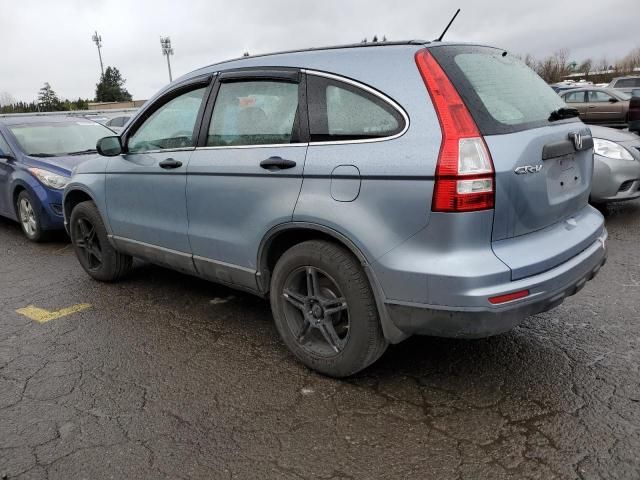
x=97 y=39
x=165 y=43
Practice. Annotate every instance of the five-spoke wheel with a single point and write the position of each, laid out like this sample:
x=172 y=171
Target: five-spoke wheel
x=317 y=312
x=87 y=242
x=324 y=308
x=94 y=251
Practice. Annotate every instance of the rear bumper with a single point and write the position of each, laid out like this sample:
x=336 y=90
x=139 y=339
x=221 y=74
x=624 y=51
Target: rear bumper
x=547 y=290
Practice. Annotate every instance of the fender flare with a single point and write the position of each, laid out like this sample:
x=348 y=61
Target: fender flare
x=391 y=333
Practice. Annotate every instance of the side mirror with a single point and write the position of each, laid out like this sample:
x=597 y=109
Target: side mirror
x=613 y=100
x=6 y=156
x=109 y=146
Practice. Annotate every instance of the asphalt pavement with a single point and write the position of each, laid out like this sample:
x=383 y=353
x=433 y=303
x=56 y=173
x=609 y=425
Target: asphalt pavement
x=167 y=376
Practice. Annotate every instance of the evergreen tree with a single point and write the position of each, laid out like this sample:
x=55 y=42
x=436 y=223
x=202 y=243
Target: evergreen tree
x=111 y=87
x=47 y=99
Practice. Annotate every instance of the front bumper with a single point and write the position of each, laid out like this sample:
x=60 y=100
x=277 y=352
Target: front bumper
x=547 y=290
x=614 y=180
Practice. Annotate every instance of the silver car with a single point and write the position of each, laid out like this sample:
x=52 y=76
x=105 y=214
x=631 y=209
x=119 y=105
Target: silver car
x=616 y=169
x=371 y=192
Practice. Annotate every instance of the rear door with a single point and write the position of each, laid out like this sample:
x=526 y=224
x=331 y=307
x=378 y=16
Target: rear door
x=145 y=186
x=543 y=165
x=603 y=108
x=245 y=176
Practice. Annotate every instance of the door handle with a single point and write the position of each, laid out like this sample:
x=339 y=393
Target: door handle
x=170 y=163
x=591 y=106
x=277 y=163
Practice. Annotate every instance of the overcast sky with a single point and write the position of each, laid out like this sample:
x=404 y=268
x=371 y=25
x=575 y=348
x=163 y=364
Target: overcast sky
x=50 y=41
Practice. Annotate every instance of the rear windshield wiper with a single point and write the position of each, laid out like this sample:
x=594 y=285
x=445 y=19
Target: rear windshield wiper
x=562 y=113
x=43 y=155
x=83 y=152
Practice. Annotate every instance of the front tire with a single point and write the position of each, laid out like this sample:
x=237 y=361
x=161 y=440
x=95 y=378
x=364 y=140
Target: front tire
x=93 y=249
x=29 y=218
x=324 y=309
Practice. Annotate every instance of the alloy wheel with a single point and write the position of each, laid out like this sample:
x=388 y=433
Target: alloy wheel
x=28 y=217
x=88 y=243
x=316 y=311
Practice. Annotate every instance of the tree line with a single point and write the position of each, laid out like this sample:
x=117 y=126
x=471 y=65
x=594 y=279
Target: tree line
x=558 y=66
x=110 y=88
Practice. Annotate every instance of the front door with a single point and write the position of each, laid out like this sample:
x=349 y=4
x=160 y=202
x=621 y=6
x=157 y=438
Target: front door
x=145 y=186
x=246 y=175
x=603 y=108
x=6 y=170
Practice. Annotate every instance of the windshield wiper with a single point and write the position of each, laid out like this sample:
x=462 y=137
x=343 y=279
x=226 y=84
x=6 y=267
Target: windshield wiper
x=83 y=152
x=43 y=155
x=562 y=113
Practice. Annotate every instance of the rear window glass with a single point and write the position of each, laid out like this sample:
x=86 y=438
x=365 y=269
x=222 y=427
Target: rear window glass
x=502 y=93
x=628 y=83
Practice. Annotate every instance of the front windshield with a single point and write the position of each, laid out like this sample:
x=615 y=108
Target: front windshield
x=52 y=139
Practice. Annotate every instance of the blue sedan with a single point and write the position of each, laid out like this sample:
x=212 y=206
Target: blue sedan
x=37 y=156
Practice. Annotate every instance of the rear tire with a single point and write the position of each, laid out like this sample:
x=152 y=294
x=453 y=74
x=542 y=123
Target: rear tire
x=324 y=309
x=29 y=218
x=93 y=249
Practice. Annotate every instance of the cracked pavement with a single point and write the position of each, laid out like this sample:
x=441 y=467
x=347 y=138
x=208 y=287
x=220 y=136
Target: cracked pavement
x=168 y=376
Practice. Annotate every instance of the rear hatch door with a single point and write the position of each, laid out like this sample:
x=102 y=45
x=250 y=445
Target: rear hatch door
x=543 y=161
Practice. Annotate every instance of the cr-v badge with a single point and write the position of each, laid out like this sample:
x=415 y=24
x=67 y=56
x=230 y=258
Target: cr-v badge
x=527 y=169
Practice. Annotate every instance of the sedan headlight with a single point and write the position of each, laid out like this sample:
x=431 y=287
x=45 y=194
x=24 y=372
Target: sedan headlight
x=50 y=179
x=609 y=149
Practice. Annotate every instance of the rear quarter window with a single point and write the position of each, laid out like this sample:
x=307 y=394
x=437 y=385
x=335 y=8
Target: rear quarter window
x=502 y=94
x=341 y=111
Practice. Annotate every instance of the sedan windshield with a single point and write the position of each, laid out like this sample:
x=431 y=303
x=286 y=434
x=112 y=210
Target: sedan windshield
x=52 y=139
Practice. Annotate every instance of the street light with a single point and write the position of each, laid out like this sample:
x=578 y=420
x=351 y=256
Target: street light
x=97 y=39
x=165 y=43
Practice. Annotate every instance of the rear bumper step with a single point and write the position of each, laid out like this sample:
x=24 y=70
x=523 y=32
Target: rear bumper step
x=548 y=290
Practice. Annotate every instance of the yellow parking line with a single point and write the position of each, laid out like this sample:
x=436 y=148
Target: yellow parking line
x=41 y=315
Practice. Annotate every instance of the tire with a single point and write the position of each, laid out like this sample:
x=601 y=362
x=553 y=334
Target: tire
x=29 y=218
x=335 y=331
x=93 y=249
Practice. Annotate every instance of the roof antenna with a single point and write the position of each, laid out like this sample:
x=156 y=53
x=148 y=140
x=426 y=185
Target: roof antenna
x=439 y=39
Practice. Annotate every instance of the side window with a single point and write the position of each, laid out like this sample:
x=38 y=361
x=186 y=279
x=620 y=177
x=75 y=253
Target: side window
x=171 y=126
x=627 y=83
x=596 y=96
x=4 y=146
x=339 y=111
x=254 y=113
x=574 y=97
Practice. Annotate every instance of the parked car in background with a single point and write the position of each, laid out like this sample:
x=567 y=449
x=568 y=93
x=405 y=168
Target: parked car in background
x=37 y=155
x=95 y=117
x=434 y=199
x=616 y=169
x=599 y=106
x=117 y=123
x=562 y=86
x=634 y=114
x=625 y=84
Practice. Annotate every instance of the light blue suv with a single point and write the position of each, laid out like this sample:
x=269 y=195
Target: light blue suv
x=372 y=192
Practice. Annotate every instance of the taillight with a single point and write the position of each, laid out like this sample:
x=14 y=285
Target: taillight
x=464 y=174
